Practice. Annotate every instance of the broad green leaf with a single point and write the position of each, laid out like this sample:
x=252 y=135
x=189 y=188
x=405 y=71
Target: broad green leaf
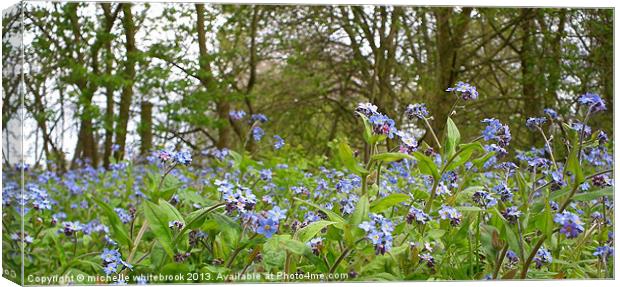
x=350 y=162
x=332 y=215
x=388 y=201
x=453 y=137
x=426 y=165
x=391 y=156
x=465 y=153
x=361 y=211
x=170 y=211
x=590 y=195
x=367 y=129
x=158 y=225
x=469 y=208
x=293 y=245
x=118 y=229
x=305 y=234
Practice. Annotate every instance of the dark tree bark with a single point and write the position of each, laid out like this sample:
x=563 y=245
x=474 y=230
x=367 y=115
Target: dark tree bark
x=129 y=75
x=448 y=37
x=207 y=80
x=146 y=127
x=109 y=95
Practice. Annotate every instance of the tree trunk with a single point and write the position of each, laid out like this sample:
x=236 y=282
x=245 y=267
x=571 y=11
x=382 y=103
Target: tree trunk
x=206 y=78
x=129 y=73
x=146 y=124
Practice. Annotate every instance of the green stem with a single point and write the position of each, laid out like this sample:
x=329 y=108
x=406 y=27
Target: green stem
x=500 y=261
x=428 y=125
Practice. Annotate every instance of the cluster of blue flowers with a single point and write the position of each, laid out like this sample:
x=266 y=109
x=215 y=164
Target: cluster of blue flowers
x=593 y=101
x=237 y=198
x=543 y=256
x=571 y=224
x=496 y=131
x=112 y=260
x=464 y=90
x=180 y=157
x=418 y=216
x=316 y=244
x=416 y=111
x=484 y=199
x=379 y=230
x=451 y=214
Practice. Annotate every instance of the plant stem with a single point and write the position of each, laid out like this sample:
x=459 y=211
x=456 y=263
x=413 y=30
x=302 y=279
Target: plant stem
x=428 y=125
x=342 y=256
x=500 y=260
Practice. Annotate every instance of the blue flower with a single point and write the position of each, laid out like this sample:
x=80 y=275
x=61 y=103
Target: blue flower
x=110 y=269
x=543 y=256
x=257 y=133
x=503 y=191
x=603 y=252
x=466 y=91
x=416 y=111
x=276 y=213
x=418 y=216
x=484 y=199
x=535 y=123
x=551 y=113
x=237 y=115
x=315 y=244
x=367 y=109
x=512 y=214
x=183 y=157
x=451 y=214
x=578 y=126
x=594 y=102
x=571 y=224
x=383 y=125
x=493 y=126
x=265 y=174
x=379 y=232
x=124 y=216
x=267 y=227
x=279 y=142
x=258 y=117
x=512 y=258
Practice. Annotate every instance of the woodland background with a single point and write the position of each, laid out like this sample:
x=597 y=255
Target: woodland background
x=112 y=81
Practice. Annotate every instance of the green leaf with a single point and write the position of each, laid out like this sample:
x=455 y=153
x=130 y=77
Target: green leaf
x=426 y=165
x=305 y=234
x=388 y=201
x=118 y=229
x=332 y=215
x=391 y=156
x=436 y=233
x=158 y=225
x=367 y=128
x=453 y=137
x=465 y=153
x=292 y=245
x=170 y=211
x=469 y=208
x=590 y=195
x=348 y=160
x=361 y=211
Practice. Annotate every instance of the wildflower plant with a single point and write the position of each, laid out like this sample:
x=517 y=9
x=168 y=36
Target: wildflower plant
x=392 y=205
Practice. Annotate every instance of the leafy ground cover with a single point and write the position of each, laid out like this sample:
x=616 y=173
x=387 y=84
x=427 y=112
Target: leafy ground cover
x=460 y=207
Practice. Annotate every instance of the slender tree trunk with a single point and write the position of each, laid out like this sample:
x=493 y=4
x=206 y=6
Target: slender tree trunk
x=146 y=124
x=129 y=75
x=206 y=78
x=528 y=78
x=109 y=96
